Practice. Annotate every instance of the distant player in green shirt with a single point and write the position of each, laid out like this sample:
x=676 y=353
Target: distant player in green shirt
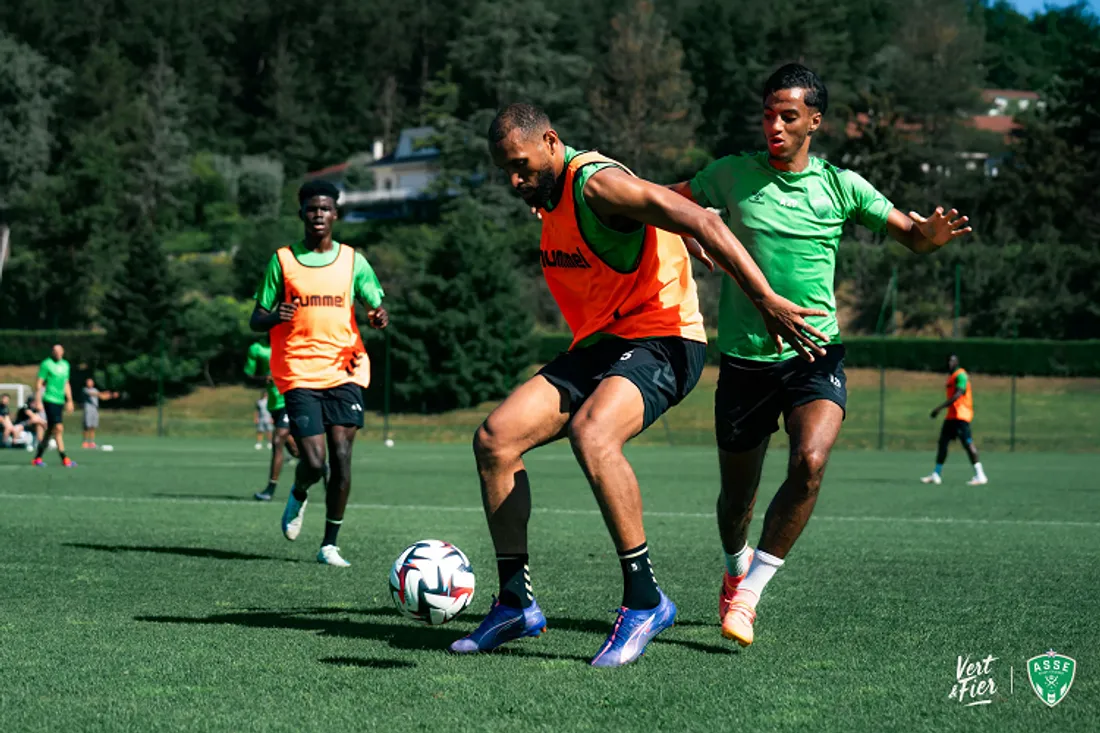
x=54 y=395
x=258 y=366
x=789 y=211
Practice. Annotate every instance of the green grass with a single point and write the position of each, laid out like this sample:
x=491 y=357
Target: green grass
x=143 y=591
x=1051 y=414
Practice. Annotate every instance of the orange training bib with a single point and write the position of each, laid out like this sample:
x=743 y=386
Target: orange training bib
x=315 y=349
x=657 y=298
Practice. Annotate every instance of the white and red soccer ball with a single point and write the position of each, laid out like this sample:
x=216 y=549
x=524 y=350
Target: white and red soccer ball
x=432 y=582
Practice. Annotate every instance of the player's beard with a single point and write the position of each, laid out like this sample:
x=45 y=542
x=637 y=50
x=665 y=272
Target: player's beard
x=543 y=189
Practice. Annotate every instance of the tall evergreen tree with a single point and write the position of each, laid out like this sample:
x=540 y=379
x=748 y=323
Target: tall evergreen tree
x=643 y=99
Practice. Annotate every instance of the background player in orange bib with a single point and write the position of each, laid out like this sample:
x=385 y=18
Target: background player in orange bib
x=307 y=304
x=622 y=280
x=956 y=424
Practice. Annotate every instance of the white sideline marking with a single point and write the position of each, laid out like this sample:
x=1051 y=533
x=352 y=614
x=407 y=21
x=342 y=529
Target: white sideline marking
x=579 y=512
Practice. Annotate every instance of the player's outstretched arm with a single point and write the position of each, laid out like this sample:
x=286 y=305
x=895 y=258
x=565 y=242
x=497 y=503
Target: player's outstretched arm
x=922 y=235
x=263 y=320
x=612 y=192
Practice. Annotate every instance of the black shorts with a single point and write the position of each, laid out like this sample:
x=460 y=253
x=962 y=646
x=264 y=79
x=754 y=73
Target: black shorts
x=280 y=419
x=55 y=413
x=752 y=394
x=956 y=429
x=312 y=410
x=663 y=369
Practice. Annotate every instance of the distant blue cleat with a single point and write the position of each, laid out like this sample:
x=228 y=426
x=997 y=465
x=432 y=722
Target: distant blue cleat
x=632 y=631
x=503 y=624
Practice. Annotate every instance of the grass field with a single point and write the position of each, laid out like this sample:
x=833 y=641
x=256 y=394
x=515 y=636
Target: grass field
x=1051 y=414
x=143 y=591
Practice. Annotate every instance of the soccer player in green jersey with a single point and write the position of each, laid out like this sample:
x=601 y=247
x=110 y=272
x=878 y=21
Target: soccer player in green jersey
x=789 y=210
x=54 y=395
x=258 y=366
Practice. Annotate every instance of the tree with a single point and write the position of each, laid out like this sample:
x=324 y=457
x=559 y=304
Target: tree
x=29 y=89
x=461 y=334
x=643 y=98
x=159 y=161
x=143 y=314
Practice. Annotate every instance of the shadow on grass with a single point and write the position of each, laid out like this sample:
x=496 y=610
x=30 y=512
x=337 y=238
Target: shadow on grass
x=386 y=624
x=203 y=552
x=367 y=663
x=210 y=497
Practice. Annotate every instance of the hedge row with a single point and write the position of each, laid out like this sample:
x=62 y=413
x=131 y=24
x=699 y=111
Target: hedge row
x=19 y=348
x=983 y=356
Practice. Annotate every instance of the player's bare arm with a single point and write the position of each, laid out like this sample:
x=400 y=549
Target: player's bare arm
x=39 y=388
x=263 y=320
x=947 y=403
x=614 y=193
x=923 y=236
x=683 y=188
x=69 y=407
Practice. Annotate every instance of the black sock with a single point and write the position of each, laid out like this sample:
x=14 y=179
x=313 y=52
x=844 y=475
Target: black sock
x=42 y=447
x=299 y=493
x=62 y=454
x=271 y=487
x=515 y=581
x=332 y=528
x=639 y=586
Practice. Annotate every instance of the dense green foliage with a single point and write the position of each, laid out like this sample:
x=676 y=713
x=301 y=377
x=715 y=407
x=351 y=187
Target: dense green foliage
x=156 y=149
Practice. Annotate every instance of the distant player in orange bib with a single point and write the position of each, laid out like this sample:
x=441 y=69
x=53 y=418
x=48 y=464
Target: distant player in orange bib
x=623 y=282
x=956 y=424
x=307 y=304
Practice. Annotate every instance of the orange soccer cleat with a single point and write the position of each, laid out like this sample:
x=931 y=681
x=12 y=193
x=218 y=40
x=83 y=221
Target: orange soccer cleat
x=730 y=584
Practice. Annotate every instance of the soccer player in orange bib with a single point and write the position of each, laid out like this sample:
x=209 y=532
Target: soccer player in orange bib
x=623 y=282
x=956 y=424
x=307 y=304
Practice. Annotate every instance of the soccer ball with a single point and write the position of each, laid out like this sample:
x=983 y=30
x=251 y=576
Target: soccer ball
x=432 y=582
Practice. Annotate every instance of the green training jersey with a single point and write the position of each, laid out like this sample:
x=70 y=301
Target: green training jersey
x=56 y=375
x=258 y=364
x=791 y=224
x=365 y=283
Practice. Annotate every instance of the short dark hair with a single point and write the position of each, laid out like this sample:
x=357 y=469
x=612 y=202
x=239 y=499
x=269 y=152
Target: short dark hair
x=317 y=187
x=797 y=76
x=527 y=117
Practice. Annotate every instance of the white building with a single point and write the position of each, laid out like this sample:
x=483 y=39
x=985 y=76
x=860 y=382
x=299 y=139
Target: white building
x=400 y=181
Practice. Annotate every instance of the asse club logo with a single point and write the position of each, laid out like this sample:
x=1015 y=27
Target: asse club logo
x=1051 y=676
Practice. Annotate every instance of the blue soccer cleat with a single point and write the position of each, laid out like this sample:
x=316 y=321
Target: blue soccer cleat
x=632 y=631
x=503 y=624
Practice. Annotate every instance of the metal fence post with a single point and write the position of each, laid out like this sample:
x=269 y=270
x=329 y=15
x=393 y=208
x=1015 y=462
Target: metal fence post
x=1012 y=418
x=386 y=389
x=160 y=385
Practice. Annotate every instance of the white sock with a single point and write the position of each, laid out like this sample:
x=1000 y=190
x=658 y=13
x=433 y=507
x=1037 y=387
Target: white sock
x=760 y=572
x=978 y=472
x=738 y=563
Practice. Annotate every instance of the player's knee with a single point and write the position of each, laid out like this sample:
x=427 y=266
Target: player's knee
x=314 y=462
x=491 y=448
x=809 y=468
x=590 y=439
x=341 y=454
